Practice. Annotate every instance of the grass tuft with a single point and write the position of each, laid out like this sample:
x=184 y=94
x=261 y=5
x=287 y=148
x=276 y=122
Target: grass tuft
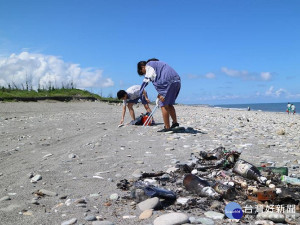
x=16 y=94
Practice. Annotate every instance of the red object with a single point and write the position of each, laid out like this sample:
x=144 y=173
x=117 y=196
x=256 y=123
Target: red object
x=144 y=119
x=266 y=194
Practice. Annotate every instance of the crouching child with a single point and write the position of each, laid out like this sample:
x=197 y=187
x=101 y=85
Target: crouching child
x=130 y=97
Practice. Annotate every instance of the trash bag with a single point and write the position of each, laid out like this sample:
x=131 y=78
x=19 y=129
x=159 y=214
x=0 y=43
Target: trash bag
x=138 y=121
x=146 y=119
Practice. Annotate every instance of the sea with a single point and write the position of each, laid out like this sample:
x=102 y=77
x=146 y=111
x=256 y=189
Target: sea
x=267 y=107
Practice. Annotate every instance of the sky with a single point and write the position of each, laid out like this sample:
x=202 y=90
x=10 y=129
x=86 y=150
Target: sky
x=225 y=51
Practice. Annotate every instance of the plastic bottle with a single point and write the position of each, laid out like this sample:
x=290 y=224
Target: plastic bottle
x=290 y=180
x=247 y=170
x=199 y=186
x=280 y=170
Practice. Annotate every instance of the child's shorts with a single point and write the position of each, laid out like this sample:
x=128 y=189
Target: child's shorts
x=135 y=101
x=172 y=94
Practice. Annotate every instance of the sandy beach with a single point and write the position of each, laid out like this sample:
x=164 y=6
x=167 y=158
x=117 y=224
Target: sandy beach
x=81 y=154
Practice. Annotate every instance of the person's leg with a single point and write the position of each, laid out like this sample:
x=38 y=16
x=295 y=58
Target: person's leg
x=173 y=115
x=172 y=112
x=131 y=111
x=147 y=108
x=170 y=101
x=165 y=115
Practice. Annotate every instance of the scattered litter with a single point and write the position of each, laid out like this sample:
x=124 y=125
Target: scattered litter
x=213 y=179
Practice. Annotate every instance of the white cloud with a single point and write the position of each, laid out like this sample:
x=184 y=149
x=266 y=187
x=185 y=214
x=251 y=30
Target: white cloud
x=210 y=75
x=270 y=91
x=265 y=75
x=41 y=70
x=219 y=97
x=245 y=75
x=280 y=91
x=293 y=96
x=276 y=93
x=207 y=76
x=234 y=73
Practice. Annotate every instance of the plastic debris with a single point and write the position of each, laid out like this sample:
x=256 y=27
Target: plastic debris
x=280 y=170
x=214 y=178
x=153 y=191
x=290 y=180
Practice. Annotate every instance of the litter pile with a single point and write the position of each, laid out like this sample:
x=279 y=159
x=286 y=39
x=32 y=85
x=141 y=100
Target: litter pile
x=211 y=180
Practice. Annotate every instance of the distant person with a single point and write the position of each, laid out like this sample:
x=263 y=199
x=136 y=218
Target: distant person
x=130 y=97
x=293 y=109
x=248 y=108
x=167 y=83
x=288 y=108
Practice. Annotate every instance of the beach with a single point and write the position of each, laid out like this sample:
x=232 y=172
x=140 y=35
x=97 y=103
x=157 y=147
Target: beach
x=81 y=154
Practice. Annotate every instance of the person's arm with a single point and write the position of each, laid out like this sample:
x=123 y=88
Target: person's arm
x=146 y=96
x=123 y=114
x=149 y=76
x=144 y=84
x=161 y=98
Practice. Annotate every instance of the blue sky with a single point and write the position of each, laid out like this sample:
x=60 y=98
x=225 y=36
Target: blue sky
x=233 y=51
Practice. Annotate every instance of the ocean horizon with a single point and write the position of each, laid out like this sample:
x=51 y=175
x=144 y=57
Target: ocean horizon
x=267 y=107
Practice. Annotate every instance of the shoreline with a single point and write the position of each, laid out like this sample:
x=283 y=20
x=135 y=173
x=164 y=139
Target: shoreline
x=236 y=109
x=90 y=99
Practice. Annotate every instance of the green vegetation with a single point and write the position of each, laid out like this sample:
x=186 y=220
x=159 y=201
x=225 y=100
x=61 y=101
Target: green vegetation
x=61 y=94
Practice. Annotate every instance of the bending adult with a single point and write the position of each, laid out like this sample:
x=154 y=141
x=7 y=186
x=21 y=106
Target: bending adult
x=167 y=83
